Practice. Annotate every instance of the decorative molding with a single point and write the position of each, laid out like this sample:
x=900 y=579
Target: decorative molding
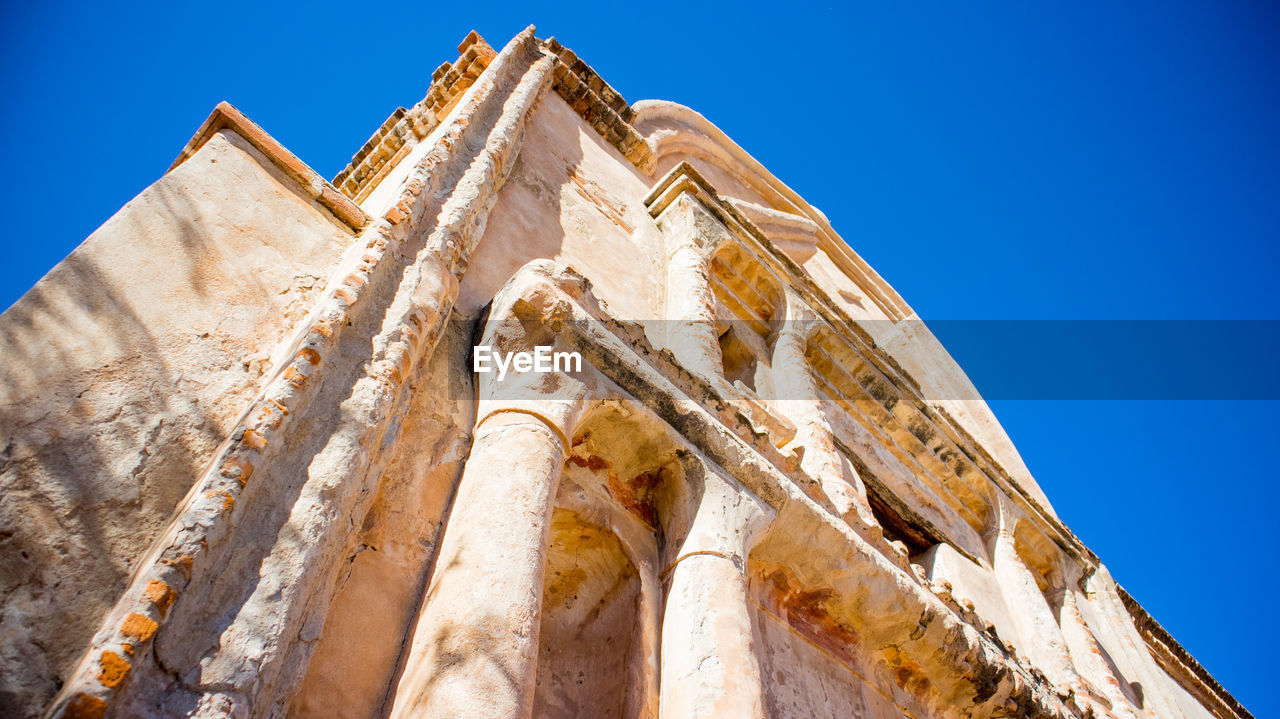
x=975 y=666
x=227 y=117
x=1180 y=665
x=599 y=105
x=405 y=128
x=796 y=235
x=675 y=131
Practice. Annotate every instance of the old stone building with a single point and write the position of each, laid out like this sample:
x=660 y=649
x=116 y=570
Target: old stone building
x=248 y=468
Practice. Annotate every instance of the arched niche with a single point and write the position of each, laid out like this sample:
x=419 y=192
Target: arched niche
x=589 y=663
x=602 y=598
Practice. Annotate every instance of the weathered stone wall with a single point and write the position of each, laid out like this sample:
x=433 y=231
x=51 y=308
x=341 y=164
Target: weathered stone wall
x=123 y=369
x=389 y=559
x=249 y=472
x=803 y=680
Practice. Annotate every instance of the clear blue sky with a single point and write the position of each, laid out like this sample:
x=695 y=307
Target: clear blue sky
x=1005 y=160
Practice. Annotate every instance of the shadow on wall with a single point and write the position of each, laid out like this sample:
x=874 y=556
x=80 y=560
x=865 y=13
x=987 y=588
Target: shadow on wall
x=526 y=223
x=99 y=443
x=123 y=369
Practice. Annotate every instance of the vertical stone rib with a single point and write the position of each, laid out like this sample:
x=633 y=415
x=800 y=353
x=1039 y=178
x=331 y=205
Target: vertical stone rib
x=298 y=575
x=1089 y=654
x=1124 y=638
x=690 y=305
x=798 y=397
x=1039 y=635
x=710 y=665
x=301 y=562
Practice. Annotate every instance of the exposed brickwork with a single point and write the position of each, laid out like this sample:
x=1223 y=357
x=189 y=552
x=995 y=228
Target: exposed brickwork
x=115 y=669
x=138 y=626
x=406 y=127
x=596 y=102
x=160 y=595
x=83 y=706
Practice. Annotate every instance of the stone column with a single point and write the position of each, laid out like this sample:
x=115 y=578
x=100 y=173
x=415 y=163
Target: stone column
x=690 y=305
x=475 y=648
x=709 y=662
x=1085 y=650
x=797 y=396
x=1039 y=636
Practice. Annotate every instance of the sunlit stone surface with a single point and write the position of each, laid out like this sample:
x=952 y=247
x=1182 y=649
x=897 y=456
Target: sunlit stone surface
x=247 y=469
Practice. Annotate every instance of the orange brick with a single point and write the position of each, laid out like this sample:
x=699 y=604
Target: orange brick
x=115 y=669
x=139 y=627
x=83 y=706
x=161 y=595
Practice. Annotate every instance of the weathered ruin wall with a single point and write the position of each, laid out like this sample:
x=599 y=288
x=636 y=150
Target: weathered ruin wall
x=573 y=199
x=388 y=560
x=123 y=369
x=803 y=680
x=639 y=538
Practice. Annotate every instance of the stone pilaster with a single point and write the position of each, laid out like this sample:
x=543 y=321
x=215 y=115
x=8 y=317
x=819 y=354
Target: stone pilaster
x=798 y=398
x=1086 y=652
x=475 y=649
x=690 y=305
x=709 y=653
x=1039 y=636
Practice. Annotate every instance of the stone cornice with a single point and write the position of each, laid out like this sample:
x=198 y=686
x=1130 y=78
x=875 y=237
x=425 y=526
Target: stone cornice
x=1180 y=665
x=726 y=152
x=673 y=129
x=593 y=99
x=684 y=179
x=963 y=668
x=599 y=105
x=227 y=117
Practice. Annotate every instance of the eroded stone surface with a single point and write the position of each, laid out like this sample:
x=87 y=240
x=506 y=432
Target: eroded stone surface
x=124 y=368
x=248 y=471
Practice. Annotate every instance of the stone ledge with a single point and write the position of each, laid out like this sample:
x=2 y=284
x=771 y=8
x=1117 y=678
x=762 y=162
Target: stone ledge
x=684 y=178
x=227 y=117
x=1181 y=666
